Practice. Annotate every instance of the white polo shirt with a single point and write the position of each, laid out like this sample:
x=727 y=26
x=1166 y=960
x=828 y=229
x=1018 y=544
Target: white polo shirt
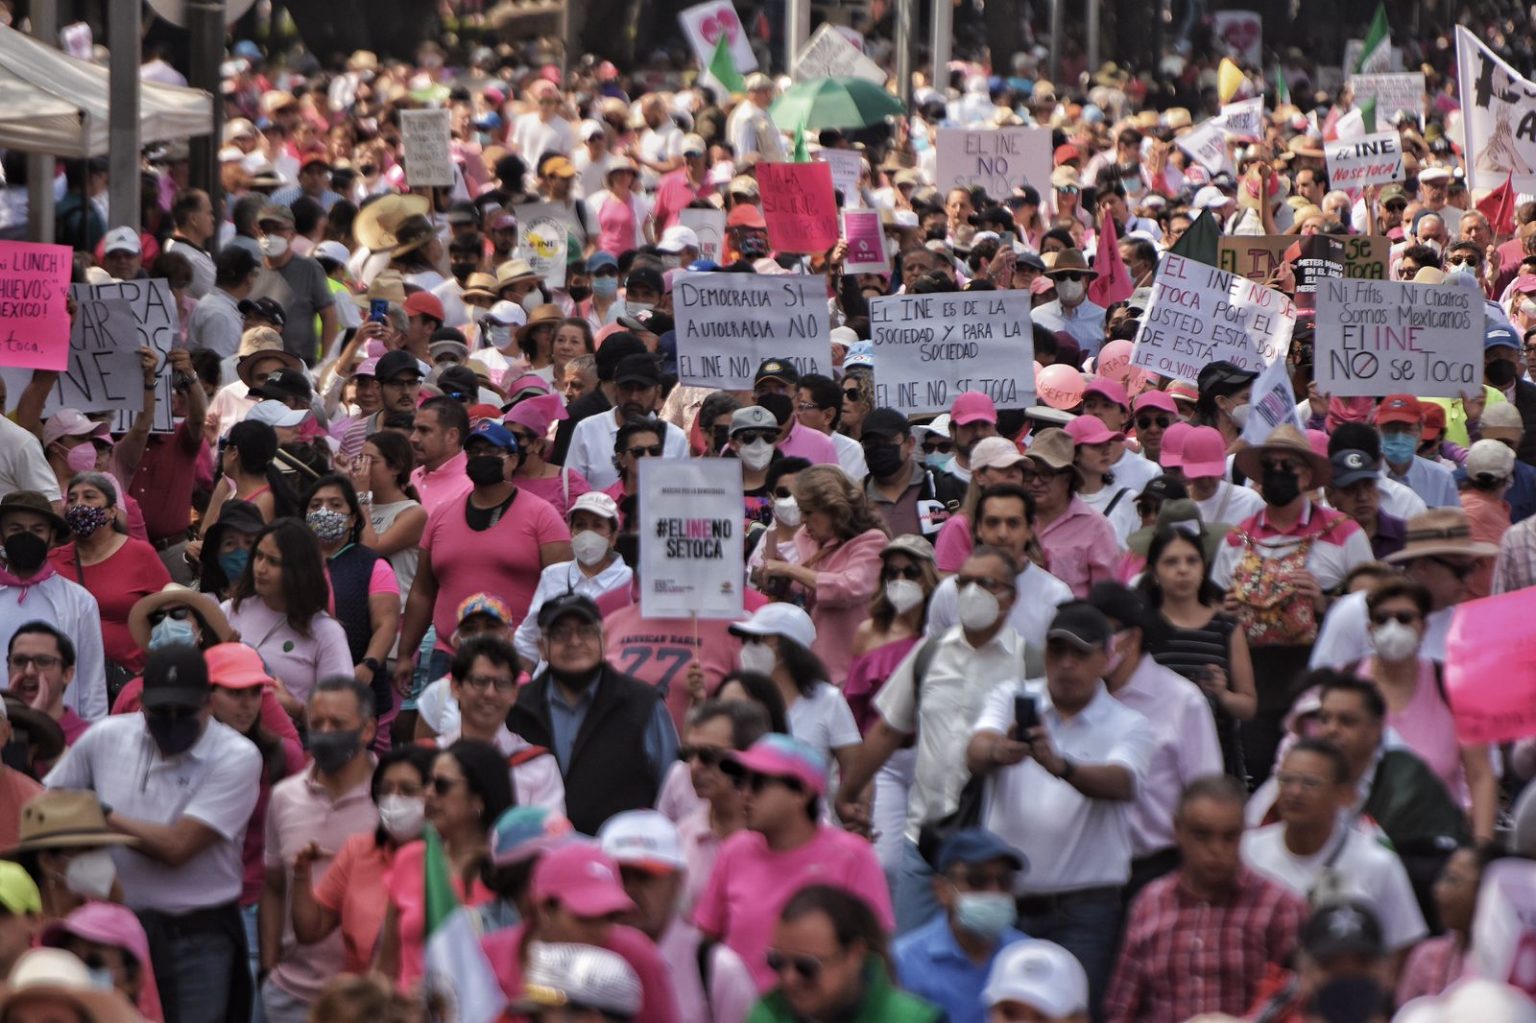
x=1070 y=840
x=1344 y=636
x=1039 y=594
x=591 y=451
x=216 y=782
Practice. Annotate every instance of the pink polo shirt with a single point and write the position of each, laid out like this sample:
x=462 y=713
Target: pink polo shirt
x=673 y=194
x=1081 y=547
x=812 y=445
x=847 y=577
x=445 y=483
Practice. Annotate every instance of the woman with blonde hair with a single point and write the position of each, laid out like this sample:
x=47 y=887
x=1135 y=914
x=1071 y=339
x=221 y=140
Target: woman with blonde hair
x=839 y=543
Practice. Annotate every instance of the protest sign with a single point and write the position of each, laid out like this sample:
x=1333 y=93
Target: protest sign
x=709 y=225
x=1390 y=337
x=1365 y=160
x=1503 y=939
x=1245 y=118
x=1490 y=668
x=846 y=166
x=798 y=205
x=34 y=318
x=690 y=528
x=1496 y=117
x=705 y=23
x=1200 y=314
x=425 y=143
x=1401 y=93
x=102 y=371
x=866 y=243
x=543 y=239
x=1354 y=47
x=829 y=54
x=727 y=324
x=1207 y=145
x=1256 y=256
x=997 y=159
x=1273 y=403
x=154 y=313
x=930 y=348
x=1242 y=32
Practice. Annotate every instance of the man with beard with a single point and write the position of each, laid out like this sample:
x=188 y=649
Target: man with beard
x=636 y=395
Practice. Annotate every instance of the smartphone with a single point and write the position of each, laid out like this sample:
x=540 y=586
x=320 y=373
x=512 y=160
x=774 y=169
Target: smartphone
x=1005 y=242
x=1026 y=717
x=378 y=310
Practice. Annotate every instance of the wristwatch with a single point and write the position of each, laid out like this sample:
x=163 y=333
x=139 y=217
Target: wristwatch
x=373 y=664
x=1068 y=768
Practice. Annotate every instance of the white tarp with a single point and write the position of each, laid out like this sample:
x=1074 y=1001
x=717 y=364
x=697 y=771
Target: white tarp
x=53 y=103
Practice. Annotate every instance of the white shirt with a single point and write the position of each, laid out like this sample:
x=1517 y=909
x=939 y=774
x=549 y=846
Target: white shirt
x=71 y=609
x=590 y=174
x=732 y=991
x=535 y=782
x=1367 y=871
x=533 y=138
x=1084 y=322
x=558 y=579
x=658 y=145
x=957 y=682
x=1123 y=517
x=23 y=466
x=1230 y=504
x=203 y=272
x=216 y=325
x=749 y=129
x=850 y=455
x=823 y=721
x=1135 y=470
x=1186 y=749
x=1039 y=594
x=1070 y=841
x=1398 y=499
x=216 y=783
x=591 y=450
x=1344 y=636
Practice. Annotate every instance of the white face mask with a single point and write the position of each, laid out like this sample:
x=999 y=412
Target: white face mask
x=498 y=336
x=589 y=547
x=91 y=874
x=755 y=454
x=402 y=816
x=758 y=657
x=634 y=308
x=532 y=300
x=978 y=608
x=1070 y=292
x=274 y=246
x=1394 y=641
x=1239 y=414
x=904 y=594
x=786 y=512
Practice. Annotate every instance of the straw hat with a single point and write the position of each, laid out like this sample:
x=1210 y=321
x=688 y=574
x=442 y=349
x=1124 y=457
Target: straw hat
x=1071 y=260
x=541 y=315
x=512 y=271
x=480 y=285
x=1285 y=440
x=176 y=595
x=1442 y=532
x=54 y=975
x=65 y=819
x=377 y=222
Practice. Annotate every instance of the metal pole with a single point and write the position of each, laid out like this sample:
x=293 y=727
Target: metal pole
x=904 y=50
x=797 y=29
x=40 y=166
x=1093 y=35
x=1056 y=42
x=943 y=40
x=123 y=24
x=205 y=24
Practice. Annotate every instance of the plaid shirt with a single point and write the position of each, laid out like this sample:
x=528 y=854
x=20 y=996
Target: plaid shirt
x=1515 y=568
x=1183 y=956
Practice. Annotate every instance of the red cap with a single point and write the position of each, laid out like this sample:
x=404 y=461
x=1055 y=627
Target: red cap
x=746 y=215
x=583 y=879
x=1399 y=408
x=1065 y=154
x=1434 y=420
x=424 y=303
x=973 y=407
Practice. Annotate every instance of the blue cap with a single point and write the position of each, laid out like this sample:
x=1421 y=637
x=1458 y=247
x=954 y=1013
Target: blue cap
x=525 y=832
x=494 y=433
x=1500 y=335
x=860 y=353
x=600 y=261
x=978 y=845
x=703 y=266
x=247 y=50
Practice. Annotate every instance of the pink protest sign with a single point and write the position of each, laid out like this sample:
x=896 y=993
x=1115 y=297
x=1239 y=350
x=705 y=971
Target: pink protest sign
x=799 y=206
x=1490 y=668
x=34 y=320
x=866 y=243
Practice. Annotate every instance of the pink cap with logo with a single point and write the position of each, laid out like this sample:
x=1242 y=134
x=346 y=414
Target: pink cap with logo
x=583 y=879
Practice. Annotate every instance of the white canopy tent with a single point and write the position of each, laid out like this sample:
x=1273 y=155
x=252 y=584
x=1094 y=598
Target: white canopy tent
x=53 y=103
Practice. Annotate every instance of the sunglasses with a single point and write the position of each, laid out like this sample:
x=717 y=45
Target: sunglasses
x=1401 y=617
x=1280 y=465
x=1068 y=190
x=179 y=614
x=941 y=447
x=1071 y=275
x=808 y=967
x=442 y=786
x=1147 y=422
x=642 y=450
x=901 y=572
x=707 y=756
x=851 y=393
x=748 y=436
x=1396 y=207
x=1464 y=261
x=783 y=493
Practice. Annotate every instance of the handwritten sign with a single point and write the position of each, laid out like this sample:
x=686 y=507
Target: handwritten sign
x=1400 y=93
x=1389 y=337
x=1245 y=118
x=727 y=324
x=930 y=348
x=34 y=318
x=830 y=54
x=997 y=159
x=866 y=243
x=1256 y=256
x=798 y=205
x=425 y=140
x=709 y=225
x=154 y=313
x=847 y=165
x=1490 y=668
x=1200 y=314
x=1365 y=160
x=102 y=372
x=1207 y=146
x=691 y=538
x=543 y=239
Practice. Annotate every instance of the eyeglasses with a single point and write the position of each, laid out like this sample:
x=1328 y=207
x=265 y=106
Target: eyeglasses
x=1305 y=782
x=1396 y=207
x=807 y=406
x=1041 y=478
x=1401 y=617
x=442 y=786
x=707 y=756
x=757 y=782
x=1147 y=422
x=642 y=450
x=179 y=614
x=992 y=586
x=984 y=880
x=567 y=633
x=502 y=683
x=1463 y=261
x=606 y=272
x=901 y=572
x=808 y=967
x=748 y=436
x=1148 y=505
x=1068 y=190
x=523 y=439
x=42 y=662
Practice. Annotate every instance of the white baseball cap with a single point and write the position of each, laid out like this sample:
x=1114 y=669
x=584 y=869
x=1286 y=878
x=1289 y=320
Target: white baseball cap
x=1210 y=197
x=844 y=336
x=581 y=975
x=275 y=414
x=334 y=251
x=779 y=619
x=122 y=239
x=677 y=238
x=1041 y=975
x=596 y=502
x=642 y=838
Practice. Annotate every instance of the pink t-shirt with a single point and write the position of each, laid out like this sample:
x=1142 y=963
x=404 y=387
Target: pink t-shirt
x=658 y=651
x=1428 y=728
x=446 y=484
x=812 y=445
x=751 y=884
x=354 y=888
x=406 y=884
x=503 y=559
x=658 y=1002
x=560 y=490
x=954 y=544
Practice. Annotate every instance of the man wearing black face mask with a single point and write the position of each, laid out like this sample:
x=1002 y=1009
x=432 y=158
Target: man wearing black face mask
x=1502 y=369
x=1278 y=567
x=908 y=497
x=183 y=786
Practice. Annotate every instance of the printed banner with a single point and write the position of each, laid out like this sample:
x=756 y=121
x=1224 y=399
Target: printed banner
x=425 y=144
x=1273 y=403
x=1386 y=337
x=1256 y=256
x=1243 y=34
x=1375 y=159
x=829 y=54
x=798 y=205
x=846 y=165
x=102 y=373
x=866 y=243
x=1496 y=118
x=997 y=159
x=1401 y=93
x=709 y=225
x=1490 y=668
x=930 y=348
x=34 y=315
x=1200 y=314
x=543 y=239
x=691 y=525
x=705 y=23
x=727 y=324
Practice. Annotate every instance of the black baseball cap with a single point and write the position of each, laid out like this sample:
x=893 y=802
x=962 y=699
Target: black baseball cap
x=646 y=277
x=637 y=369
x=568 y=604
x=263 y=308
x=1119 y=603
x=459 y=380
x=777 y=369
x=885 y=422
x=1080 y=623
x=284 y=385
x=394 y=364
x=1343 y=928
x=1224 y=377
x=1351 y=466
x=614 y=350
x=175 y=676
x=1164 y=488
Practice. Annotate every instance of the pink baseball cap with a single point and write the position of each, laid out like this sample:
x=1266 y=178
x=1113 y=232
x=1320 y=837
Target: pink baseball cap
x=1183 y=390
x=1107 y=388
x=1204 y=453
x=68 y=422
x=1157 y=400
x=538 y=412
x=1091 y=430
x=1172 y=454
x=583 y=879
x=781 y=756
x=973 y=407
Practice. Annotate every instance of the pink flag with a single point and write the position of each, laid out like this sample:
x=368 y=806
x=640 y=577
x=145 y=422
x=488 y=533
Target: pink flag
x=1113 y=284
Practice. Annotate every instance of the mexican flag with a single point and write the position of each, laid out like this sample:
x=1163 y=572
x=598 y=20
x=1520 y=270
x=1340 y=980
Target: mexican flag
x=1282 y=87
x=457 y=972
x=1376 y=56
x=722 y=67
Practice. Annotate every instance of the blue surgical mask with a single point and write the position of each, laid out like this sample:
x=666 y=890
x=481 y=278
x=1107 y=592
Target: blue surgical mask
x=985 y=914
x=605 y=287
x=1399 y=448
x=232 y=563
x=172 y=631
x=936 y=460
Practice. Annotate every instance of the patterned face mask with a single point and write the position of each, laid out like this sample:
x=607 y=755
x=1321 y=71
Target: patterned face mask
x=84 y=520
x=328 y=525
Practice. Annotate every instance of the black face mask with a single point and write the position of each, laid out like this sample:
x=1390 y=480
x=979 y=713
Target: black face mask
x=173 y=735
x=579 y=292
x=884 y=460
x=485 y=470
x=334 y=750
x=25 y=552
x=463 y=270
x=1280 y=487
x=1500 y=373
